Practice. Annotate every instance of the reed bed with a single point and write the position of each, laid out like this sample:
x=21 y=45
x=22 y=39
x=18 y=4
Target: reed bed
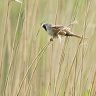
x=31 y=64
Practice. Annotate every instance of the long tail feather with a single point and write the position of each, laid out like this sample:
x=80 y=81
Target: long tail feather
x=75 y=35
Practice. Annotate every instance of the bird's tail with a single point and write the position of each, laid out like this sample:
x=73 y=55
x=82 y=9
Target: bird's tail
x=69 y=33
x=75 y=35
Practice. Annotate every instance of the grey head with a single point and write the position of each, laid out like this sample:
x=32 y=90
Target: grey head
x=46 y=26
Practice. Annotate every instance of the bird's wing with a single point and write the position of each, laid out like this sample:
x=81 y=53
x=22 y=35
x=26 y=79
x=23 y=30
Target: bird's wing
x=61 y=30
x=58 y=30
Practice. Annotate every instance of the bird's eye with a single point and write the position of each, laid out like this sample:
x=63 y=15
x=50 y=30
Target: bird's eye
x=44 y=27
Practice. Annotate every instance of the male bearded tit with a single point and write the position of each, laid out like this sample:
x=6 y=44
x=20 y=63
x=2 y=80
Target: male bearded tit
x=58 y=31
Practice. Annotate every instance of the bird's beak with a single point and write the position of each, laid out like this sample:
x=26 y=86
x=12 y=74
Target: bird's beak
x=42 y=24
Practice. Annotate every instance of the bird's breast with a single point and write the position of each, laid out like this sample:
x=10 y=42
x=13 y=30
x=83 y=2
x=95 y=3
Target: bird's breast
x=50 y=32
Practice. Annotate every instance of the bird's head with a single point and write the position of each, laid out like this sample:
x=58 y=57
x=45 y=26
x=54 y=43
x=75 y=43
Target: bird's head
x=46 y=26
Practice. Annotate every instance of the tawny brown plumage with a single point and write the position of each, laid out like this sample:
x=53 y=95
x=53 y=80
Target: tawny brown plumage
x=59 y=30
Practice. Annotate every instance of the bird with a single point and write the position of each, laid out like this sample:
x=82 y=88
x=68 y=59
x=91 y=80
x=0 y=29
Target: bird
x=57 y=31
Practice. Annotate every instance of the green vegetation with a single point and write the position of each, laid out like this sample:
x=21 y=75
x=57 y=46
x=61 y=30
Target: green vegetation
x=32 y=65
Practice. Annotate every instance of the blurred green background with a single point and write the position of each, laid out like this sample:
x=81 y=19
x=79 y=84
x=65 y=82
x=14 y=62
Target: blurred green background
x=31 y=65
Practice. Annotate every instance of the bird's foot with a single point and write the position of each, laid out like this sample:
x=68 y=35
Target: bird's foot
x=51 y=39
